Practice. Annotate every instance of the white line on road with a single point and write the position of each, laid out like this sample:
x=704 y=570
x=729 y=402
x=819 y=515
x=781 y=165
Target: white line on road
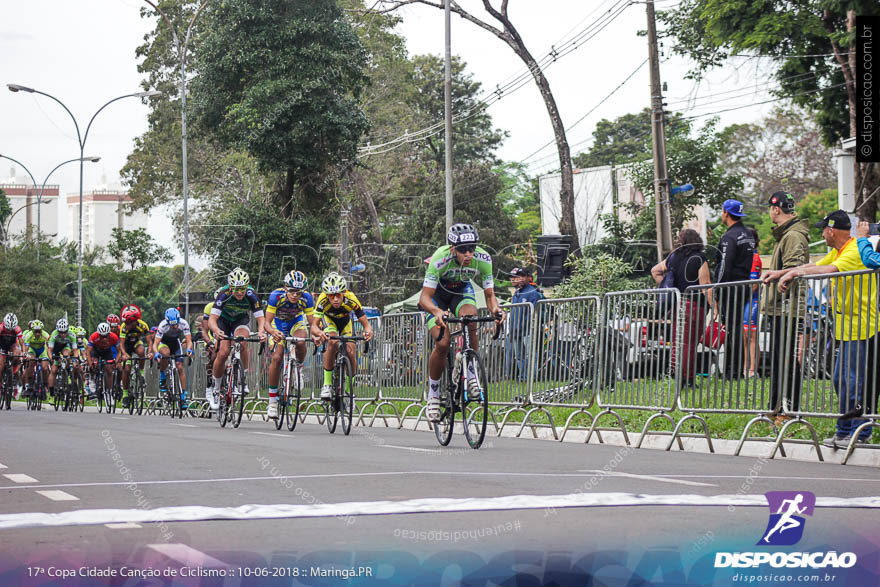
x=602 y=473
x=57 y=495
x=186 y=555
x=120 y=418
x=20 y=478
x=186 y=425
x=273 y=434
x=410 y=506
x=123 y=525
x=2 y=466
x=412 y=448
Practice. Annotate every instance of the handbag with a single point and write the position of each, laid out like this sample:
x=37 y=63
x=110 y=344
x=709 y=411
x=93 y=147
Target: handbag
x=666 y=299
x=714 y=335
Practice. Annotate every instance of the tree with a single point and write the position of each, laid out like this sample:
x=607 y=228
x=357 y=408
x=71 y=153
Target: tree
x=280 y=80
x=626 y=139
x=782 y=152
x=798 y=35
x=135 y=251
x=5 y=211
x=508 y=33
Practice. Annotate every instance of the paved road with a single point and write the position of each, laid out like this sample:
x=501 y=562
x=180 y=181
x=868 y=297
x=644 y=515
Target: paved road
x=153 y=493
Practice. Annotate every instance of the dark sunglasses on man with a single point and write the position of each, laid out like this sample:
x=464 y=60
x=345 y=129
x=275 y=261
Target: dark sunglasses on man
x=465 y=248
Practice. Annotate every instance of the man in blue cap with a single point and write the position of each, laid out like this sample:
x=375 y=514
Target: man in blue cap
x=736 y=251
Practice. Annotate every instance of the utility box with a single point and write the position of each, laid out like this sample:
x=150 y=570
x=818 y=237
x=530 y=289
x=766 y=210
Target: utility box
x=553 y=250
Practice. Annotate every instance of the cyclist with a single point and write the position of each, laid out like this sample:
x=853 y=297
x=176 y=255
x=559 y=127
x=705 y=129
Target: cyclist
x=114 y=321
x=61 y=344
x=290 y=310
x=334 y=308
x=35 y=340
x=10 y=341
x=230 y=316
x=210 y=350
x=134 y=332
x=103 y=344
x=448 y=289
x=81 y=340
x=166 y=342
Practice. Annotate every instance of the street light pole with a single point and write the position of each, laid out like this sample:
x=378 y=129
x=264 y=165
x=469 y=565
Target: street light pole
x=81 y=140
x=181 y=55
x=43 y=187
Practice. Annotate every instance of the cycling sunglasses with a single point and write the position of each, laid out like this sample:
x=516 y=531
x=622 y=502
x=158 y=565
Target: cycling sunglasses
x=466 y=248
x=239 y=290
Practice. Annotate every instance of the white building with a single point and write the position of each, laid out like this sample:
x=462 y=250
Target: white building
x=104 y=209
x=23 y=197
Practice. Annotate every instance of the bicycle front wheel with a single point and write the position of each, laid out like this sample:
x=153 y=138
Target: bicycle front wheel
x=443 y=427
x=283 y=395
x=332 y=407
x=223 y=407
x=346 y=395
x=237 y=395
x=139 y=385
x=475 y=404
x=293 y=398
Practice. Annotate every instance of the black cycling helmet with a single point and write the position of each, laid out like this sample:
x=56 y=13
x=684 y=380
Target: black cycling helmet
x=462 y=234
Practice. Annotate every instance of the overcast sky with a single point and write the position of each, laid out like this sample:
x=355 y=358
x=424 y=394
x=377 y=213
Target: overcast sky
x=83 y=53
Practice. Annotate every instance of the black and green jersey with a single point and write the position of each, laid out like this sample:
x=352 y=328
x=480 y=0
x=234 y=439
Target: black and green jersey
x=445 y=271
x=231 y=309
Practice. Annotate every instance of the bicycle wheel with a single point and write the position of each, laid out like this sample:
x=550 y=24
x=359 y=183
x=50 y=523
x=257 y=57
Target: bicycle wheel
x=110 y=395
x=237 y=395
x=283 y=395
x=223 y=407
x=476 y=398
x=293 y=399
x=38 y=378
x=139 y=393
x=178 y=393
x=6 y=397
x=58 y=398
x=346 y=395
x=443 y=427
x=332 y=407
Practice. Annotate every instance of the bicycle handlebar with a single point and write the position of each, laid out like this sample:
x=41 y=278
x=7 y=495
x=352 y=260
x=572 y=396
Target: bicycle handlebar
x=465 y=320
x=346 y=339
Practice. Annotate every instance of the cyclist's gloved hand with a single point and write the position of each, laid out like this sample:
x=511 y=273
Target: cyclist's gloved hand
x=158 y=356
x=189 y=352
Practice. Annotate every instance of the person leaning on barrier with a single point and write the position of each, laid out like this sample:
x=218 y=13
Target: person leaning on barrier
x=855 y=323
x=869 y=256
x=736 y=251
x=689 y=267
x=791 y=250
x=520 y=317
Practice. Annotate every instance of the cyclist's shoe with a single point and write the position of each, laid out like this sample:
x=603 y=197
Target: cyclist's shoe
x=473 y=392
x=433 y=411
x=184 y=405
x=272 y=411
x=27 y=391
x=213 y=399
x=298 y=377
x=125 y=401
x=326 y=393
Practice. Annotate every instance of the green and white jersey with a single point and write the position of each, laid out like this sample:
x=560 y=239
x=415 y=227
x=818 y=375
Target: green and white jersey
x=444 y=270
x=60 y=341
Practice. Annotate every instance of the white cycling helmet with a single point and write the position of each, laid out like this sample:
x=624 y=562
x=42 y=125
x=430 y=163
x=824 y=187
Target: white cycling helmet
x=238 y=278
x=103 y=329
x=334 y=283
x=10 y=321
x=62 y=325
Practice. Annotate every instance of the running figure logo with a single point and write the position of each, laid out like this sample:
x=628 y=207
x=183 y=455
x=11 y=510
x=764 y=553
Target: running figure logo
x=786 y=526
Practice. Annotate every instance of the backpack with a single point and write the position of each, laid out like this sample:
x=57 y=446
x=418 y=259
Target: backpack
x=666 y=299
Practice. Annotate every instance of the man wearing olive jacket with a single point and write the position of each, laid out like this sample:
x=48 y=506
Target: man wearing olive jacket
x=782 y=310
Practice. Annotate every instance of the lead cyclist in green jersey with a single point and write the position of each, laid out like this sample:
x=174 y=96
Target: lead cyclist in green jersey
x=447 y=289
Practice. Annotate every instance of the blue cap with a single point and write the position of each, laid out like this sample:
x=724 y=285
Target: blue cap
x=734 y=208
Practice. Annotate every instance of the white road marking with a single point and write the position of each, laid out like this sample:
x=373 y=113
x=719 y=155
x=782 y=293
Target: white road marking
x=602 y=473
x=186 y=555
x=411 y=506
x=123 y=525
x=57 y=495
x=186 y=425
x=2 y=466
x=413 y=448
x=20 y=478
x=273 y=434
x=120 y=418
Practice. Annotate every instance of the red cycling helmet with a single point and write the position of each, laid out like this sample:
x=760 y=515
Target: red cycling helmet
x=131 y=314
x=112 y=320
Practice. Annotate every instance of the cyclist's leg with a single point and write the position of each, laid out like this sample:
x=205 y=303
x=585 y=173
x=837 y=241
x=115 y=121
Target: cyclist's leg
x=165 y=352
x=276 y=347
x=330 y=350
x=52 y=371
x=180 y=372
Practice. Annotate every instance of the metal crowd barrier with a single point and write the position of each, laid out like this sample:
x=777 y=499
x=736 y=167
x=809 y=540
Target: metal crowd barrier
x=401 y=363
x=634 y=368
x=837 y=353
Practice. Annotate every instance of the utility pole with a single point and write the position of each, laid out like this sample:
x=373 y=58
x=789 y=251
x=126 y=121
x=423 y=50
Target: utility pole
x=658 y=134
x=344 y=261
x=447 y=107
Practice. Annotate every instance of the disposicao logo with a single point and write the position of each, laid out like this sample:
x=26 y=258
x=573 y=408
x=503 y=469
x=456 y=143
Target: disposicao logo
x=785 y=528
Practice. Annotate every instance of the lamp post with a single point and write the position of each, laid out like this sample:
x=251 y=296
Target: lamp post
x=43 y=186
x=81 y=140
x=181 y=56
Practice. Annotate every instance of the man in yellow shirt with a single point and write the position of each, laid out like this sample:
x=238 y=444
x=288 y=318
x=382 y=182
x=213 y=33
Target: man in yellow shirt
x=854 y=304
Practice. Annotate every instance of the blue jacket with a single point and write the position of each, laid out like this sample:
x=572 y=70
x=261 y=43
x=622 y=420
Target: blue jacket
x=869 y=256
x=519 y=318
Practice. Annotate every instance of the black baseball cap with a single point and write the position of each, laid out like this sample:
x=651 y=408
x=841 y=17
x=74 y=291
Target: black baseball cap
x=837 y=219
x=520 y=272
x=784 y=200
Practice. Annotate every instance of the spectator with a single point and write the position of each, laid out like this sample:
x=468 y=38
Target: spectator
x=869 y=256
x=854 y=304
x=791 y=250
x=520 y=318
x=689 y=267
x=871 y=259
x=736 y=252
x=750 y=315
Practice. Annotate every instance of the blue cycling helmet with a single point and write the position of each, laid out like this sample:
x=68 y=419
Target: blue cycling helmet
x=172 y=316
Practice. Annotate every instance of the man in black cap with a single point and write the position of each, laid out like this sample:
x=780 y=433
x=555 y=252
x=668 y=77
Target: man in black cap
x=521 y=317
x=853 y=302
x=784 y=311
x=736 y=253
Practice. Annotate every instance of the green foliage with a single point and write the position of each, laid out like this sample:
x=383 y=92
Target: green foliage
x=135 y=250
x=595 y=274
x=280 y=80
x=5 y=209
x=626 y=139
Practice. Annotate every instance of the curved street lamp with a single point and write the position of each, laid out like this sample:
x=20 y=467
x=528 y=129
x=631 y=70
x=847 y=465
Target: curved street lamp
x=43 y=186
x=81 y=140
x=181 y=55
